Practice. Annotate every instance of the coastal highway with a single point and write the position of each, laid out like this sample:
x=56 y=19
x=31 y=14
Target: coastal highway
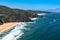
x=7 y=26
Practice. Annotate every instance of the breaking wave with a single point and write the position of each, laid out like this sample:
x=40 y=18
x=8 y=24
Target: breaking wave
x=16 y=33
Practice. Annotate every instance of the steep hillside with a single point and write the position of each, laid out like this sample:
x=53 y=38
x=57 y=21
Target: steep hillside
x=13 y=15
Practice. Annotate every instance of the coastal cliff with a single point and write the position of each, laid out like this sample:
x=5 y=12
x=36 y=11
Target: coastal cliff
x=15 y=15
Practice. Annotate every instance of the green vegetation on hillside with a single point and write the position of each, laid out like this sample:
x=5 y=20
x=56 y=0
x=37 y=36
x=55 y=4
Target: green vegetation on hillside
x=16 y=15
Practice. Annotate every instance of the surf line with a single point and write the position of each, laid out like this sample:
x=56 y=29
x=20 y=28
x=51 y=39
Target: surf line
x=15 y=33
x=7 y=26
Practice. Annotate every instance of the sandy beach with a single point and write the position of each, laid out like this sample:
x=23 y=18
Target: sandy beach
x=8 y=26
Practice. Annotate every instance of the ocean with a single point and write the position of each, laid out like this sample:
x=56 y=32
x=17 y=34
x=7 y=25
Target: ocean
x=46 y=28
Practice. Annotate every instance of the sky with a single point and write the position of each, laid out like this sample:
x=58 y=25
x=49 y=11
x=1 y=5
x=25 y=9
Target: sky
x=31 y=4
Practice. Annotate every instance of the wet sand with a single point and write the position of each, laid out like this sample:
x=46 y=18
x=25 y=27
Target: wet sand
x=8 y=26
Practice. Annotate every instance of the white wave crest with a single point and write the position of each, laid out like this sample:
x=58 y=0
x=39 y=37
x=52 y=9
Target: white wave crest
x=15 y=33
x=41 y=14
x=33 y=19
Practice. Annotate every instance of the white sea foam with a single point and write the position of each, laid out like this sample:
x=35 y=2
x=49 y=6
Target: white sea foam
x=15 y=33
x=41 y=14
x=33 y=19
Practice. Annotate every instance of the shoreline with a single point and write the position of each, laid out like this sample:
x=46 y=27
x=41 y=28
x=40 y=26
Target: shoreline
x=15 y=32
x=7 y=26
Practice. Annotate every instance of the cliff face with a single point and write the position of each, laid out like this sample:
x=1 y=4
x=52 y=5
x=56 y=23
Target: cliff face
x=17 y=18
x=16 y=15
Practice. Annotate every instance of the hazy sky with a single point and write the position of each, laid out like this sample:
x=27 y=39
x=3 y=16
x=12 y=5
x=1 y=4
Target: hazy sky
x=31 y=4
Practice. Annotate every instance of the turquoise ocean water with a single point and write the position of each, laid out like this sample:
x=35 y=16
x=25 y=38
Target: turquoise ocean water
x=46 y=28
